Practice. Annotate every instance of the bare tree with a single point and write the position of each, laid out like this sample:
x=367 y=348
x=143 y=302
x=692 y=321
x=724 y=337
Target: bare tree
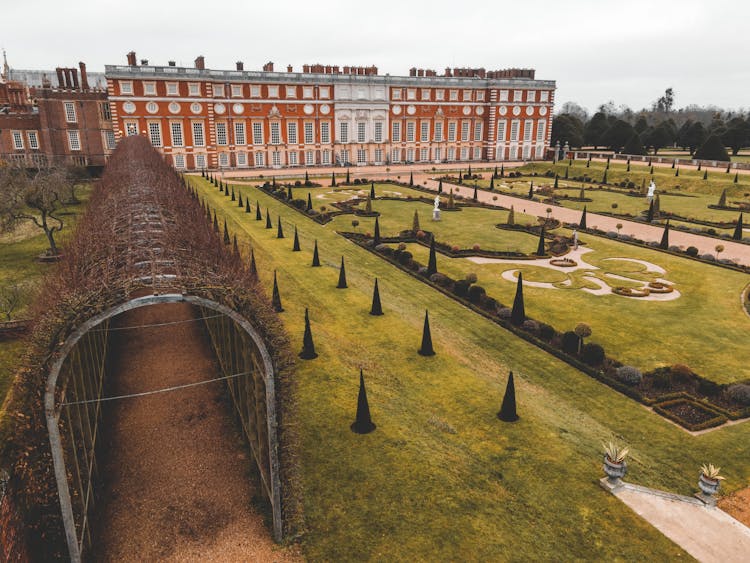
x=11 y=297
x=35 y=197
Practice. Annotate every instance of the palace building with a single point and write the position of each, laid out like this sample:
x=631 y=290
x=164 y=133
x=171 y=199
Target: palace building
x=330 y=115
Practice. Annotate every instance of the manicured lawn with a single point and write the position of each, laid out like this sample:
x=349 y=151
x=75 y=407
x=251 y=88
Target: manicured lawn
x=442 y=478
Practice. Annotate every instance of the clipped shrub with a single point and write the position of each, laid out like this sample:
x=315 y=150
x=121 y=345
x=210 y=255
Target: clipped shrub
x=592 y=354
x=629 y=375
x=405 y=258
x=471 y=277
x=708 y=388
x=691 y=251
x=461 y=288
x=476 y=293
x=455 y=248
x=570 y=342
x=440 y=279
x=401 y=246
x=681 y=373
x=504 y=312
x=547 y=332
x=740 y=392
x=662 y=378
x=708 y=257
x=476 y=247
x=530 y=325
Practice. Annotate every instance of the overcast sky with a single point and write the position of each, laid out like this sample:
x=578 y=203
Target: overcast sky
x=597 y=50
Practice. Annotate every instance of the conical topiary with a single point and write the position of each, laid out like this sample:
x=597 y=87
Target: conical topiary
x=372 y=190
x=247 y=205
x=540 y=246
x=723 y=198
x=275 y=296
x=368 y=205
x=235 y=246
x=664 y=244
x=511 y=216
x=411 y=178
x=699 y=166
x=376 y=237
x=253 y=267
x=363 y=422
x=342 y=276
x=234 y=198
x=216 y=223
x=240 y=203
x=307 y=178
x=432 y=262
x=657 y=205
x=582 y=222
x=492 y=183
x=348 y=178
x=604 y=177
x=557 y=177
x=295 y=246
x=308 y=347
x=736 y=177
x=440 y=186
x=474 y=197
x=316 y=257
x=737 y=235
x=258 y=214
x=531 y=190
x=508 y=409
x=227 y=240
x=650 y=212
x=273 y=181
x=566 y=172
x=729 y=164
x=582 y=194
x=309 y=202
x=289 y=195
x=415 y=222
x=333 y=179
x=502 y=171
x=705 y=174
x=677 y=171
x=279 y=230
x=460 y=178
x=494 y=174
x=376 y=309
x=426 y=349
x=518 y=314
x=269 y=225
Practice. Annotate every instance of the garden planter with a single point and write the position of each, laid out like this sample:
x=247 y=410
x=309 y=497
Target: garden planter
x=708 y=486
x=615 y=471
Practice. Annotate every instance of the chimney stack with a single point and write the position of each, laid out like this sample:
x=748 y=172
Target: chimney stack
x=268 y=67
x=289 y=68
x=84 y=76
x=200 y=63
x=60 y=82
x=131 y=58
x=171 y=63
x=240 y=65
x=144 y=62
x=73 y=73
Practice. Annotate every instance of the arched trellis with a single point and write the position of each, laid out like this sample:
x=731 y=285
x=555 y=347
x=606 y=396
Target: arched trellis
x=264 y=445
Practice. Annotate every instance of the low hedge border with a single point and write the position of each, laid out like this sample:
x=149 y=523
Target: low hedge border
x=717 y=420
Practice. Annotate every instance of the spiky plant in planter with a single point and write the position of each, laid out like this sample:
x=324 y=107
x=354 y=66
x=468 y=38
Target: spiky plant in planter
x=709 y=481
x=615 y=465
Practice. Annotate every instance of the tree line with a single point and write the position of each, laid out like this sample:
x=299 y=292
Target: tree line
x=705 y=132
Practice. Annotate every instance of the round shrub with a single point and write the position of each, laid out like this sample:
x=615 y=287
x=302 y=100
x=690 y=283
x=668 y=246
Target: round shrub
x=546 y=331
x=401 y=246
x=405 y=258
x=461 y=288
x=708 y=257
x=629 y=375
x=570 y=343
x=439 y=279
x=740 y=392
x=490 y=304
x=593 y=354
x=476 y=293
x=422 y=271
x=471 y=278
x=691 y=251
x=476 y=247
x=382 y=247
x=530 y=325
x=420 y=235
x=455 y=248
x=674 y=248
x=681 y=373
x=504 y=312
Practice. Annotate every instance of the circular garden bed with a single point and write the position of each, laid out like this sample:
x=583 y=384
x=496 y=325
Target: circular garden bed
x=563 y=262
x=659 y=287
x=631 y=292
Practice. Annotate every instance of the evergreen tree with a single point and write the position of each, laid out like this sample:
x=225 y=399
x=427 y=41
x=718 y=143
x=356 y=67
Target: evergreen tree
x=677 y=172
x=411 y=178
x=253 y=267
x=247 y=205
x=650 y=212
x=712 y=149
x=333 y=179
x=582 y=222
x=376 y=237
x=737 y=235
x=723 y=198
x=628 y=167
x=235 y=247
x=308 y=346
x=511 y=216
x=469 y=173
x=426 y=349
x=415 y=222
x=307 y=178
x=275 y=296
x=502 y=171
x=362 y=423
x=309 y=202
x=216 y=223
x=376 y=308
x=699 y=166
x=342 y=276
x=258 y=215
x=475 y=198
x=233 y=196
x=705 y=174
x=227 y=240
x=540 y=245
x=518 y=313
x=566 y=173
x=531 y=190
x=269 y=225
x=348 y=178
x=633 y=146
x=604 y=178
x=556 y=181
x=664 y=244
x=372 y=190
x=460 y=178
x=432 y=261
x=289 y=195
x=440 y=186
x=736 y=177
x=673 y=163
x=279 y=230
x=295 y=246
x=588 y=162
x=316 y=257
x=494 y=174
x=240 y=203
x=492 y=183
x=508 y=409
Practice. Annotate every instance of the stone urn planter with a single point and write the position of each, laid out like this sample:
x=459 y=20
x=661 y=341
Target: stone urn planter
x=708 y=483
x=708 y=486
x=615 y=470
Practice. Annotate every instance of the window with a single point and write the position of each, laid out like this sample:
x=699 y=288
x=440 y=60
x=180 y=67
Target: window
x=154 y=133
x=176 y=129
x=194 y=89
x=241 y=159
x=378 y=132
x=477 y=153
x=239 y=133
x=221 y=134
x=310 y=158
x=200 y=160
x=109 y=139
x=531 y=96
x=528 y=129
x=307 y=92
x=396 y=93
x=344 y=157
x=325 y=157
x=424 y=131
x=273 y=91
x=465 y=130
x=544 y=96
x=478 y=131
x=179 y=161
x=465 y=153
x=514 y=130
x=501 y=130
x=309 y=133
x=173 y=89
x=223 y=159
x=255 y=91
x=439 y=95
x=33 y=139
x=396 y=155
x=324 y=92
x=276 y=133
x=18 y=140
x=276 y=158
x=452 y=131
x=149 y=88
x=236 y=90
x=361 y=131
x=396 y=132
x=361 y=156
x=126 y=87
x=74 y=141
x=325 y=132
x=219 y=90
x=131 y=128
x=378 y=156
x=503 y=95
x=199 y=139
x=451 y=153
x=541 y=127
x=454 y=95
x=291 y=133
x=437 y=154
x=293 y=158
x=105 y=112
x=410 y=155
x=257 y=133
x=291 y=91
x=425 y=93
x=480 y=95
x=70 y=112
x=517 y=95
x=260 y=159
x=410 y=127
x=411 y=93
x=526 y=152
x=467 y=95
x=344 y=132
x=438 y=131
x=424 y=154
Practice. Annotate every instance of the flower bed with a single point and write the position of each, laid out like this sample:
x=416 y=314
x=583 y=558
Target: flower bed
x=690 y=414
x=659 y=287
x=631 y=292
x=563 y=262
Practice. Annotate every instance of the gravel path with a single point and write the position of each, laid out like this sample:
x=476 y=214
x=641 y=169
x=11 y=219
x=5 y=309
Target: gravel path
x=179 y=483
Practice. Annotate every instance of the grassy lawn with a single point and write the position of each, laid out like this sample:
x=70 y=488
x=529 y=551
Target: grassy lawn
x=441 y=477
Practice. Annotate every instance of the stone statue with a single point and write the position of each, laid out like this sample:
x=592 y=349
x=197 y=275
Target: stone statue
x=651 y=190
x=437 y=202
x=436 y=209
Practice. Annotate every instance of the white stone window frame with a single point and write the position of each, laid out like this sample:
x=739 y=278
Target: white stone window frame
x=308 y=93
x=74 y=140
x=173 y=88
x=236 y=90
x=149 y=88
x=33 y=140
x=70 y=112
x=273 y=91
x=194 y=89
x=126 y=87
x=17 y=140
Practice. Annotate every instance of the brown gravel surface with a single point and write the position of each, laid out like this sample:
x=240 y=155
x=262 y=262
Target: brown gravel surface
x=737 y=505
x=179 y=481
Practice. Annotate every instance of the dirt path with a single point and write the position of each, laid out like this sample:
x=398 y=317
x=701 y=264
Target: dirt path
x=737 y=505
x=179 y=481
